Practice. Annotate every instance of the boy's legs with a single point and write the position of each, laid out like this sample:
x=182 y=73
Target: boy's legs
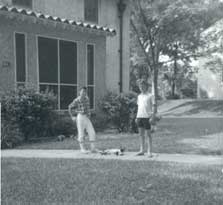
x=142 y=141
x=149 y=136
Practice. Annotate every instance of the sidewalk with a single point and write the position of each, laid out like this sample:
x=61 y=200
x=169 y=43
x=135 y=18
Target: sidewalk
x=131 y=156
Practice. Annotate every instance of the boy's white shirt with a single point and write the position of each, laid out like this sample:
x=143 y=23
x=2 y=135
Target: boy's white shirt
x=145 y=105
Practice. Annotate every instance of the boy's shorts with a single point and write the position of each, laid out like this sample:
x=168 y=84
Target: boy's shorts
x=143 y=123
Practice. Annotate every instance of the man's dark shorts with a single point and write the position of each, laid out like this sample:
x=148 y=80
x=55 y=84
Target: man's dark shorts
x=143 y=123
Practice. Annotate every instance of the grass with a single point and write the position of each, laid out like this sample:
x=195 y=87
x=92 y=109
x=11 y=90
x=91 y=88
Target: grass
x=55 y=181
x=192 y=107
x=194 y=136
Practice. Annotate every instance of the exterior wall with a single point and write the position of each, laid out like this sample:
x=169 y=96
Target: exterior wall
x=70 y=9
x=209 y=83
x=9 y=26
x=74 y=9
x=7 y=72
x=108 y=16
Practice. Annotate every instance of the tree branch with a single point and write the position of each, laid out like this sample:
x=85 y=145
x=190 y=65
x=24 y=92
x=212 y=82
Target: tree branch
x=140 y=43
x=151 y=41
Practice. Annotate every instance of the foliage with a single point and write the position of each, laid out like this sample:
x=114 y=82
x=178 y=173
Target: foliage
x=63 y=125
x=120 y=110
x=169 y=28
x=170 y=96
x=203 y=93
x=30 y=111
x=99 y=121
x=189 y=89
x=211 y=50
x=10 y=135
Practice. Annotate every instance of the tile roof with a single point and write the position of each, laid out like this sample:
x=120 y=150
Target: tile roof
x=108 y=31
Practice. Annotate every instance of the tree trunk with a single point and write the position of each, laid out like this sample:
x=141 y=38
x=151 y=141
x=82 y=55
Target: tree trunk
x=173 y=88
x=155 y=87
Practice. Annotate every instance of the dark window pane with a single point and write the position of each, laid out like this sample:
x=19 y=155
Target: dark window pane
x=25 y=3
x=48 y=60
x=50 y=88
x=91 y=96
x=90 y=64
x=91 y=10
x=20 y=57
x=67 y=94
x=68 y=62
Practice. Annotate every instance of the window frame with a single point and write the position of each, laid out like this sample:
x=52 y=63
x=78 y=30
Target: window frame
x=15 y=58
x=98 y=11
x=23 y=6
x=94 y=73
x=58 y=68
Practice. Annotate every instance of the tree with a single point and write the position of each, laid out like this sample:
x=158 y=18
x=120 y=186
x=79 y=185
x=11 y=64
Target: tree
x=170 y=28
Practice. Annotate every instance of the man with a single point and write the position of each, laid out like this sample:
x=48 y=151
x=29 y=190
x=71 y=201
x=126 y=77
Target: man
x=82 y=107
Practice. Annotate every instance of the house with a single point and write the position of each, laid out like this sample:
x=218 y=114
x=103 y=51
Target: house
x=61 y=45
x=210 y=72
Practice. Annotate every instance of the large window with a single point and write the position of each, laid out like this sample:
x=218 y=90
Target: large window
x=91 y=10
x=58 y=69
x=90 y=74
x=20 y=54
x=22 y=3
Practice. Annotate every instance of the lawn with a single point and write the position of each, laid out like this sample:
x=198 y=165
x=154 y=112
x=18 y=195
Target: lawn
x=192 y=108
x=56 y=181
x=174 y=135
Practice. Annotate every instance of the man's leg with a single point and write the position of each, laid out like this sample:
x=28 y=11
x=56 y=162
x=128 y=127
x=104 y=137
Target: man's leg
x=142 y=141
x=149 y=136
x=80 y=129
x=91 y=133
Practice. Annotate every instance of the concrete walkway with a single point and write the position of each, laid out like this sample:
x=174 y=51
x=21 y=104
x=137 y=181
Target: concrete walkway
x=130 y=156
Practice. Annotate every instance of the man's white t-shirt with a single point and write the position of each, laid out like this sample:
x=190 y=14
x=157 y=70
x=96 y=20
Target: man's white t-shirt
x=145 y=105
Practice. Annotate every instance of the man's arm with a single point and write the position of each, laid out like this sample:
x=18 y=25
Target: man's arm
x=71 y=105
x=88 y=108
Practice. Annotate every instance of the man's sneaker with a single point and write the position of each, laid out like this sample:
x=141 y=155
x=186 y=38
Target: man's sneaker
x=151 y=155
x=140 y=153
x=84 y=151
x=94 y=151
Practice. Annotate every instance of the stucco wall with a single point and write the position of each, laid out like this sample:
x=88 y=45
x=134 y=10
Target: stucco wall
x=108 y=16
x=71 y=9
x=7 y=72
x=7 y=29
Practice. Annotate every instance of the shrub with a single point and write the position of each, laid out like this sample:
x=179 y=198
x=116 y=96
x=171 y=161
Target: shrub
x=120 y=110
x=10 y=135
x=189 y=90
x=99 y=121
x=169 y=96
x=30 y=111
x=63 y=125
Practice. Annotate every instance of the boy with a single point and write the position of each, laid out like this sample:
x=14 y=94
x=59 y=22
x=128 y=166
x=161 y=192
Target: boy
x=82 y=108
x=144 y=116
